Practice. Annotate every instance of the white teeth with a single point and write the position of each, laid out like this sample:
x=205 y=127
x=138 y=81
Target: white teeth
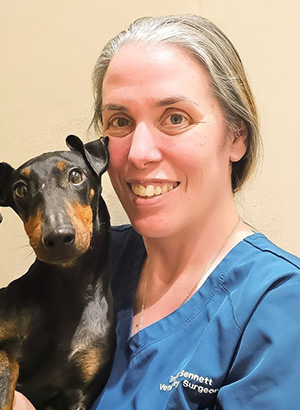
x=158 y=190
x=165 y=189
x=150 y=190
x=142 y=191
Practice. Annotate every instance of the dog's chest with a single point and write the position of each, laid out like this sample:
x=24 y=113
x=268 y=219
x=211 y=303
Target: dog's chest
x=89 y=347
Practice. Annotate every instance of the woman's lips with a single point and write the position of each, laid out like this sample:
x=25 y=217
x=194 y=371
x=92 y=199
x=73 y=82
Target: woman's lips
x=151 y=189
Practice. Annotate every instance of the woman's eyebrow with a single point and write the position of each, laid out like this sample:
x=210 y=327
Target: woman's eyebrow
x=161 y=103
x=114 y=107
x=173 y=100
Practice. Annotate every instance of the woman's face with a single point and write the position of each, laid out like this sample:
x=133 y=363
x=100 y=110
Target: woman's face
x=170 y=148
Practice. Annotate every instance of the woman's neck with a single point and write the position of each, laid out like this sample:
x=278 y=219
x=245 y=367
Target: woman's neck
x=204 y=243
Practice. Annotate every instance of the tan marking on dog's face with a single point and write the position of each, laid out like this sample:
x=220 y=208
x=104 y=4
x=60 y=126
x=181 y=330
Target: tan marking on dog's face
x=82 y=220
x=33 y=228
x=9 y=370
x=62 y=165
x=25 y=171
x=92 y=193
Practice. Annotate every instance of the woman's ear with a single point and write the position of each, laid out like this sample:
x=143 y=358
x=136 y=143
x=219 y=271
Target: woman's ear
x=239 y=143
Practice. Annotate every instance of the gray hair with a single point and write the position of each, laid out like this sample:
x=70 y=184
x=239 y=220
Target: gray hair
x=202 y=39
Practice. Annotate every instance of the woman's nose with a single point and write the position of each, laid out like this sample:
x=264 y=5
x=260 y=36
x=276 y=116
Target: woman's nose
x=144 y=148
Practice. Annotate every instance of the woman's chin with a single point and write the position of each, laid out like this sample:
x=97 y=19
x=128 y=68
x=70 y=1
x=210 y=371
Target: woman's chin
x=152 y=226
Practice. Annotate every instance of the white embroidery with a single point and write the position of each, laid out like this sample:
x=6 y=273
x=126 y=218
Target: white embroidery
x=203 y=386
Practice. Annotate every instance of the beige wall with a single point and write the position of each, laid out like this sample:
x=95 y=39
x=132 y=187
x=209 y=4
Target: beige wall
x=48 y=49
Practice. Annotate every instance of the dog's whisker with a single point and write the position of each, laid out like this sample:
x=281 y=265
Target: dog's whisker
x=29 y=254
x=110 y=196
x=23 y=246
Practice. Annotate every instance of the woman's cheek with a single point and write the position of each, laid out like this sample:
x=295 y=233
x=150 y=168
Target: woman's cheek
x=118 y=153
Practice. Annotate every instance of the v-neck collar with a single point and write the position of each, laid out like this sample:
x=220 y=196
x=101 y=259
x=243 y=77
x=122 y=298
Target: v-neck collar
x=181 y=316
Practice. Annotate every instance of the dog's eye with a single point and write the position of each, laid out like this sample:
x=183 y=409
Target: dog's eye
x=21 y=190
x=75 y=176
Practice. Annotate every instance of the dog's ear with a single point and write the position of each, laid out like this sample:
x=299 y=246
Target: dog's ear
x=97 y=154
x=6 y=172
x=94 y=152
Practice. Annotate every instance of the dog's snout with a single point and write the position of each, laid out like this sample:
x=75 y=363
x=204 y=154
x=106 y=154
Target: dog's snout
x=61 y=238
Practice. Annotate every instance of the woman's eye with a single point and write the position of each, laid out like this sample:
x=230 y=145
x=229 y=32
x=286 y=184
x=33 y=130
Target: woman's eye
x=119 y=126
x=21 y=190
x=119 y=122
x=175 y=123
x=176 y=119
x=75 y=176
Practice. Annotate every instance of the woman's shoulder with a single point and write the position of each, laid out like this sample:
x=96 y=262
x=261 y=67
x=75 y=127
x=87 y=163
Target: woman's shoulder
x=260 y=264
x=260 y=275
x=266 y=254
x=256 y=268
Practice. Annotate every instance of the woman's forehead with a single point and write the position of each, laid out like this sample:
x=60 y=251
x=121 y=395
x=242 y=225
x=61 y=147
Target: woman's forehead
x=162 y=70
x=138 y=60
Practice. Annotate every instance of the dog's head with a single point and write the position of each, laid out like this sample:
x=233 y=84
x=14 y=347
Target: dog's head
x=57 y=196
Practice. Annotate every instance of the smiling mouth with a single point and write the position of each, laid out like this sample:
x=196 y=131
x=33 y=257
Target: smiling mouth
x=151 y=190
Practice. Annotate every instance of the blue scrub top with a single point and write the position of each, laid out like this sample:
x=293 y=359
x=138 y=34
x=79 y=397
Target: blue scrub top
x=234 y=345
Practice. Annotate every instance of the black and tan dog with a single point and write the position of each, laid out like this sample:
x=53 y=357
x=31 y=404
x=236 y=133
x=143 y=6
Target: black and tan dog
x=56 y=321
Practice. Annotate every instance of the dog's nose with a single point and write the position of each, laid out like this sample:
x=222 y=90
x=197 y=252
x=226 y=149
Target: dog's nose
x=60 y=238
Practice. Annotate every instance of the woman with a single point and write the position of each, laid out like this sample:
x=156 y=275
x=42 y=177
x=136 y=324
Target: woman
x=207 y=309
